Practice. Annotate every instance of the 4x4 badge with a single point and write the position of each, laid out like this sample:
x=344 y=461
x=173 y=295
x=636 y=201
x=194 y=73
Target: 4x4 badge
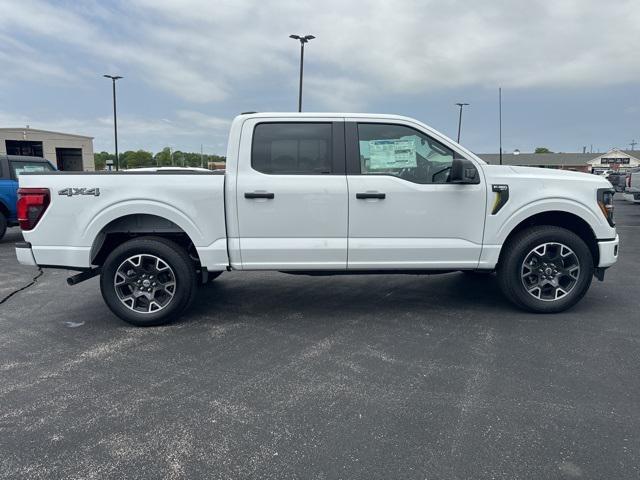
x=70 y=192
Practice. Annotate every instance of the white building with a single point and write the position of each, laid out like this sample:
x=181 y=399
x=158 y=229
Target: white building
x=616 y=160
x=66 y=151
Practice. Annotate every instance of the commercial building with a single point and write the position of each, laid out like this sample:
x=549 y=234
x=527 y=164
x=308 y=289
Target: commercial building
x=581 y=162
x=67 y=151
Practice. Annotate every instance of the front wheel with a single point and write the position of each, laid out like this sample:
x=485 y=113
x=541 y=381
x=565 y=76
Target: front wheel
x=545 y=269
x=148 y=281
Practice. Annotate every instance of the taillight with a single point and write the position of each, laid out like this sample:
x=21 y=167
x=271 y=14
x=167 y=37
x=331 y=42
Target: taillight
x=32 y=202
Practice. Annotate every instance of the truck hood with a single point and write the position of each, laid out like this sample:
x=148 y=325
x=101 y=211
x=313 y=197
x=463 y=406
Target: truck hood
x=536 y=173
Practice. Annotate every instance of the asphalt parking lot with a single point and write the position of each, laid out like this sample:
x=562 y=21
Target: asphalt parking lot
x=278 y=376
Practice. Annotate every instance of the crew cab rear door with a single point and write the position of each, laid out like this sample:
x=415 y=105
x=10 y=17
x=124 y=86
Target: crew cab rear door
x=403 y=211
x=291 y=194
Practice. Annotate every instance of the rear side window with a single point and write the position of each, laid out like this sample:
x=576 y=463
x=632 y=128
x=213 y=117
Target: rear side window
x=292 y=148
x=22 y=166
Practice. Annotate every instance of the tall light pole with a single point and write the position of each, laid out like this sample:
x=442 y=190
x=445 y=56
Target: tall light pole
x=460 y=118
x=303 y=39
x=500 y=119
x=115 y=116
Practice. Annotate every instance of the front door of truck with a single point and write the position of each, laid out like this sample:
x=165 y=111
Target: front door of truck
x=403 y=211
x=291 y=194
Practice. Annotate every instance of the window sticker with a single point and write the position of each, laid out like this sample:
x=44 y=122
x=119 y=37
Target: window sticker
x=392 y=154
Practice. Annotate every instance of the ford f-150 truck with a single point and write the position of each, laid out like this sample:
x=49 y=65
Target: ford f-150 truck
x=323 y=194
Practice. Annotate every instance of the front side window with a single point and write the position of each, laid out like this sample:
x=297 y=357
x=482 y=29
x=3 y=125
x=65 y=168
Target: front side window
x=292 y=148
x=21 y=166
x=387 y=149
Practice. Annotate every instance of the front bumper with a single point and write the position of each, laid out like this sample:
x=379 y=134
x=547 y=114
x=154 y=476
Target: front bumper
x=608 y=252
x=25 y=254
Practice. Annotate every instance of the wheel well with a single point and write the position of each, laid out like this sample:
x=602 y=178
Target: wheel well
x=4 y=210
x=564 y=220
x=125 y=228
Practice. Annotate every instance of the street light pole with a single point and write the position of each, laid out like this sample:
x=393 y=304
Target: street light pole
x=460 y=118
x=115 y=116
x=303 y=39
x=500 y=119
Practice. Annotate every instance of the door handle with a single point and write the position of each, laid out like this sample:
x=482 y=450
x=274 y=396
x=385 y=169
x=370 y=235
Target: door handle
x=365 y=195
x=259 y=195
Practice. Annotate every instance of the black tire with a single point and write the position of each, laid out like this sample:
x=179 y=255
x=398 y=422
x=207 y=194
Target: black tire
x=181 y=273
x=3 y=225
x=514 y=273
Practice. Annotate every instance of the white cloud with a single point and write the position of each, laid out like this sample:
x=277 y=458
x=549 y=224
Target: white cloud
x=186 y=131
x=204 y=59
x=203 y=121
x=207 y=51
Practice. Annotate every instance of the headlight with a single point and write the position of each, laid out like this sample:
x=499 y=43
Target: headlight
x=605 y=202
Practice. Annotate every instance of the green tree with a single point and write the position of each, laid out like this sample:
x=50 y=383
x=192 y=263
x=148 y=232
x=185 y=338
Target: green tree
x=100 y=159
x=163 y=157
x=137 y=159
x=542 y=150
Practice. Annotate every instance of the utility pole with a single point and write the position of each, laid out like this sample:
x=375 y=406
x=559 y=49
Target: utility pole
x=460 y=118
x=201 y=157
x=500 y=119
x=303 y=39
x=115 y=116
x=633 y=144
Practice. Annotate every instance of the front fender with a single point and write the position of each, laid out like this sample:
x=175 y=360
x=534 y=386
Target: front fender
x=600 y=228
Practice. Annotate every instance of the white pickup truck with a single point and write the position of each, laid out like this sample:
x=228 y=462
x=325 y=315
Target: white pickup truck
x=321 y=194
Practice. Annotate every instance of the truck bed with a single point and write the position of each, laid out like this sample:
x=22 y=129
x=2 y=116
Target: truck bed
x=84 y=204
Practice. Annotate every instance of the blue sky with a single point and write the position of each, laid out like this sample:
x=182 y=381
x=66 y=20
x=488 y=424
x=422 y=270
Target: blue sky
x=568 y=69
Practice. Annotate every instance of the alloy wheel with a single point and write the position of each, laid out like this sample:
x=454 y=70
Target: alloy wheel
x=550 y=271
x=145 y=283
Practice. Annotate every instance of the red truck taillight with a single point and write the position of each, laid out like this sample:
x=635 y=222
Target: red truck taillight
x=32 y=203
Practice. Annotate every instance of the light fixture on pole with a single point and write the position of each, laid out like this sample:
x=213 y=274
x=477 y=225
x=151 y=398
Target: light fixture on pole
x=460 y=118
x=303 y=39
x=115 y=116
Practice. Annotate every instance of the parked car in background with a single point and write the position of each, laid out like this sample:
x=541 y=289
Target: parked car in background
x=321 y=194
x=10 y=167
x=618 y=180
x=632 y=191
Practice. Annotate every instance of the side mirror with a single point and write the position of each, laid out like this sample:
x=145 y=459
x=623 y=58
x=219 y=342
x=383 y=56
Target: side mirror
x=463 y=171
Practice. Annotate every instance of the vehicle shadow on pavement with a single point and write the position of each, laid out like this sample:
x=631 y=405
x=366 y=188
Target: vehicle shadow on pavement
x=274 y=296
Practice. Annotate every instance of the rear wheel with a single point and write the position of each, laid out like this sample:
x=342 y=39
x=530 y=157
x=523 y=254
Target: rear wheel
x=3 y=225
x=545 y=269
x=148 y=281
